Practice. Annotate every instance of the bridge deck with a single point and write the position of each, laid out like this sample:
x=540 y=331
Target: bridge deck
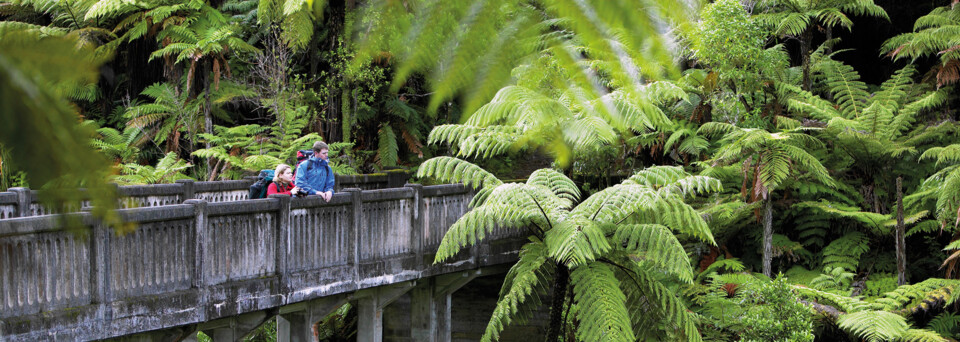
x=198 y=261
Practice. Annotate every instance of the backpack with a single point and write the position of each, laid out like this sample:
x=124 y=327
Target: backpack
x=259 y=188
x=301 y=156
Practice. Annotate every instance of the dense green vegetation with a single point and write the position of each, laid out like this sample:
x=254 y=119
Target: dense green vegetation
x=718 y=172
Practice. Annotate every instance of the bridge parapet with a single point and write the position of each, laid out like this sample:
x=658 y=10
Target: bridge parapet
x=200 y=261
x=23 y=202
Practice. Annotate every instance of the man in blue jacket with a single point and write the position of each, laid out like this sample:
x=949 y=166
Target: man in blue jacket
x=314 y=175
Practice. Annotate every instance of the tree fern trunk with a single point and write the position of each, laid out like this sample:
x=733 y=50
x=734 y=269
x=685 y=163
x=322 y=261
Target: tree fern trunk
x=806 y=40
x=556 y=307
x=901 y=249
x=768 y=236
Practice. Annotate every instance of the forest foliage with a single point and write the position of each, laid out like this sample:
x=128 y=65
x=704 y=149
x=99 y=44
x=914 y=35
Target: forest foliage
x=713 y=170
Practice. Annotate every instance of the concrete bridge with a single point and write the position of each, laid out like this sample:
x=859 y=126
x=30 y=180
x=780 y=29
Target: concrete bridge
x=227 y=267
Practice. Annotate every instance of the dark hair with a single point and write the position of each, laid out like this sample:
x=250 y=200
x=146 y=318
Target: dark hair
x=317 y=146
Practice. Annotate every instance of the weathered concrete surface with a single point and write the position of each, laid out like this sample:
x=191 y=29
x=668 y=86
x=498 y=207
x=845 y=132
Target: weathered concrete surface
x=195 y=263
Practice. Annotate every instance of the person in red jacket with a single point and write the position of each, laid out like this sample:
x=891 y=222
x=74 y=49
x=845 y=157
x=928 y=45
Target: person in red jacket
x=282 y=182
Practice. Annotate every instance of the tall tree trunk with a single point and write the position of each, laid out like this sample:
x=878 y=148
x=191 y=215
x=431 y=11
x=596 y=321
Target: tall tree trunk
x=207 y=115
x=768 y=236
x=556 y=307
x=901 y=249
x=806 y=40
x=333 y=28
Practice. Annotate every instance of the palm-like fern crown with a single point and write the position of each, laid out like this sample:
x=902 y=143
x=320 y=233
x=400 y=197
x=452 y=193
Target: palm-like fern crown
x=123 y=147
x=519 y=118
x=170 y=113
x=793 y=17
x=206 y=34
x=937 y=33
x=613 y=241
x=869 y=127
x=770 y=157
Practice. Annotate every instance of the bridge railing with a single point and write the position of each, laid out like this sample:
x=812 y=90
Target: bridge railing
x=198 y=261
x=24 y=202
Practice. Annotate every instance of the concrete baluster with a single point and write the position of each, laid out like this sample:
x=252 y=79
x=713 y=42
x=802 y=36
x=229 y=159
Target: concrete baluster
x=353 y=237
x=419 y=207
x=188 y=189
x=100 y=265
x=283 y=240
x=24 y=198
x=199 y=251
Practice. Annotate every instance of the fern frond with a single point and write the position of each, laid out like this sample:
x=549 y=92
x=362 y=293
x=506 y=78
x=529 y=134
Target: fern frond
x=576 y=241
x=613 y=204
x=674 y=180
x=526 y=282
x=849 y=92
x=845 y=252
x=487 y=144
x=388 y=151
x=557 y=182
x=449 y=169
x=874 y=326
x=920 y=296
x=844 y=303
x=945 y=323
x=921 y=335
x=657 y=245
x=601 y=305
x=654 y=306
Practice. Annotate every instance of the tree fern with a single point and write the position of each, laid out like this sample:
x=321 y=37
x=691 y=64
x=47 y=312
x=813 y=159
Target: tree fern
x=933 y=34
x=768 y=159
x=798 y=18
x=609 y=258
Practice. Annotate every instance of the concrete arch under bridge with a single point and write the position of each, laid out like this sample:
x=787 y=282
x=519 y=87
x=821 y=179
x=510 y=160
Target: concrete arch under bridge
x=227 y=267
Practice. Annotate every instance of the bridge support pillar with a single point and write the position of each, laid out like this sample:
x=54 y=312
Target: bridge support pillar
x=295 y=322
x=370 y=309
x=430 y=306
